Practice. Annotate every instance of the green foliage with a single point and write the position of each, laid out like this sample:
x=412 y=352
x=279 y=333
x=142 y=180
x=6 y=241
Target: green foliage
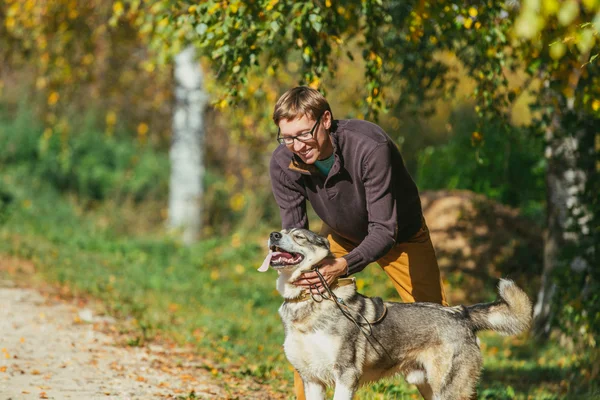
x=240 y=37
x=89 y=163
x=507 y=167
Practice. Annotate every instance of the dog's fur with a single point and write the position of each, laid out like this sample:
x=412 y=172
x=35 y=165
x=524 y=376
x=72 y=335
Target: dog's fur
x=434 y=347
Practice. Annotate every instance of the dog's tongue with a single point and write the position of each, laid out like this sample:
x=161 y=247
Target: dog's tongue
x=265 y=265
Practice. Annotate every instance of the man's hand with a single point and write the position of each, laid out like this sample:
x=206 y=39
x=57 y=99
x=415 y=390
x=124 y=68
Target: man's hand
x=331 y=269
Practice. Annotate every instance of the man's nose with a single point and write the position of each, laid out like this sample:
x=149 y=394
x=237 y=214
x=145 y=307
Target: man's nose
x=275 y=236
x=298 y=145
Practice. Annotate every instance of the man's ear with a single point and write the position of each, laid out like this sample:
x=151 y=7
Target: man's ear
x=327 y=119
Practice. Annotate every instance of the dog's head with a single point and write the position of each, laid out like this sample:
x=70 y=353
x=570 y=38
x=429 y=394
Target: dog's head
x=295 y=249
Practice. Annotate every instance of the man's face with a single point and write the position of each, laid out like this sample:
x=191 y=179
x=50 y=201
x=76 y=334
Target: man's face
x=313 y=149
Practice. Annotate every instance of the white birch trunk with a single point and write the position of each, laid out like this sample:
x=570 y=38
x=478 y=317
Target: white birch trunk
x=186 y=154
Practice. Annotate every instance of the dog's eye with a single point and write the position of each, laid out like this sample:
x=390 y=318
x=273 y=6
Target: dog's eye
x=299 y=236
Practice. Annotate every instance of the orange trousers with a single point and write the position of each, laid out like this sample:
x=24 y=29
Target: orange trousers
x=412 y=266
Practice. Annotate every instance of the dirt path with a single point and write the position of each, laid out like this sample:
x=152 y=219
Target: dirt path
x=51 y=349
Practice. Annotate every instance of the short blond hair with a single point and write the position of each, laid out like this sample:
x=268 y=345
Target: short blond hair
x=298 y=102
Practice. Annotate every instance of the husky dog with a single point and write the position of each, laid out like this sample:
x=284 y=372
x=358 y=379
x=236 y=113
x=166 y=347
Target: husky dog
x=345 y=339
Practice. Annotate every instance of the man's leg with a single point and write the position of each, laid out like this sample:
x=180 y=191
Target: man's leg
x=412 y=266
x=298 y=386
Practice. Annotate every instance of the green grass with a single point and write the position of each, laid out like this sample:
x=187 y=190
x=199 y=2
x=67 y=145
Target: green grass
x=210 y=295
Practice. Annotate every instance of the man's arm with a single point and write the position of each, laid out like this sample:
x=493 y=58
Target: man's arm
x=290 y=198
x=381 y=208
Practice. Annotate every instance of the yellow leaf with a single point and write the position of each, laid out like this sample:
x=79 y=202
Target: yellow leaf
x=473 y=12
x=111 y=118
x=118 y=8
x=53 y=98
x=214 y=275
x=468 y=23
x=142 y=129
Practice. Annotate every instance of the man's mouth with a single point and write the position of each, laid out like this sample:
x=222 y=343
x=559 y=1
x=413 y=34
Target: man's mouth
x=305 y=154
x=281 y=257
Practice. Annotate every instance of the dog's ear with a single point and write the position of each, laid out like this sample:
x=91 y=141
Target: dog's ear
x=322 y=241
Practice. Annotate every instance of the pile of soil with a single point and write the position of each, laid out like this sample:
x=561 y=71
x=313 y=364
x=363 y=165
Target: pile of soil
x=478 y=241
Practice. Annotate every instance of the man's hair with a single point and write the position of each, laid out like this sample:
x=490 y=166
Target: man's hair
x=298 y=102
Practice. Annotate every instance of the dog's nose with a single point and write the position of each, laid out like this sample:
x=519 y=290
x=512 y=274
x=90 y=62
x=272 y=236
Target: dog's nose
x=275 y=236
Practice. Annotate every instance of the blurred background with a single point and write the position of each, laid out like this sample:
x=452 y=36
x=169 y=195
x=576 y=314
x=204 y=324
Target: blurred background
x=135 y=138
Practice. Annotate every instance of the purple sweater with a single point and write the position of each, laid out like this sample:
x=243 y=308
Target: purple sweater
x=368 y=197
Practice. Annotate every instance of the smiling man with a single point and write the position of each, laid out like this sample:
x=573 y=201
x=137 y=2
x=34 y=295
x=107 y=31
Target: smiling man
x=353 y=175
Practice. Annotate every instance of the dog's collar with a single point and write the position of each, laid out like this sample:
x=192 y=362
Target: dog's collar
x=307 y=296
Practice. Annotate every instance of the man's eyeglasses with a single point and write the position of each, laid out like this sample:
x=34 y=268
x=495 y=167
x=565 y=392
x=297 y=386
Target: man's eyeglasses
x=303 y=137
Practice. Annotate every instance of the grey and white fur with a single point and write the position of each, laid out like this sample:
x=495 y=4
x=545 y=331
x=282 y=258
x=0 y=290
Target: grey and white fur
x=432 y=346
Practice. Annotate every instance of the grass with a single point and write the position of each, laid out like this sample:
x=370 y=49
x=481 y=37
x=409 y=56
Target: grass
x=211 y=296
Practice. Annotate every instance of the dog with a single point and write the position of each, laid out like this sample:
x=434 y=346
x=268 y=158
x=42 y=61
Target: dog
x=344 y=339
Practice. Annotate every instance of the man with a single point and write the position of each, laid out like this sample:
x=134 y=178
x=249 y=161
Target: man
x=356 y=181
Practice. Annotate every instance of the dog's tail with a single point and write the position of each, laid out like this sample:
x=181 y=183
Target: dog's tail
x=509 y=315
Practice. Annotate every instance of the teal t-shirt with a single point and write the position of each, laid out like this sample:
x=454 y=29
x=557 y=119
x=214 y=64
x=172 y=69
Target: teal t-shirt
x=325 y=165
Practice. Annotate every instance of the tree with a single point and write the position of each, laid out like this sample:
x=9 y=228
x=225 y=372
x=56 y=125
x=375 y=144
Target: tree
x=401 y=42
x=187 y=148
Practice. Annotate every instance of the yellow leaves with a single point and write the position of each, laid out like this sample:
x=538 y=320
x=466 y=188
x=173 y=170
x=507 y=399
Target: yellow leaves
x=591 y=5
x=328 y=3
x=221 y=105
x=163 y=22
x=41 y=82
x=360 y=284
x=237 y=202
x=468 y=23
x=142 y=129
x=53 y=98
x=239 y=269
x=111 y=118
x=213 y=9
x=214 y=274
x=472 y=12
x=568 y=12
x=550 y=7
x=236 y=240
x=557 y=50
x=192 y=9
x=10 y=23
x=315 y=82
x=88 y=59
x=272 y=3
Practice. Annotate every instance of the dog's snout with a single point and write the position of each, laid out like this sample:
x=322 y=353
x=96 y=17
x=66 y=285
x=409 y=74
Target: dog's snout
x=275 y=236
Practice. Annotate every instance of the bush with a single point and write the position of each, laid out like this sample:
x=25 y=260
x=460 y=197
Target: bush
x=86 y=162
x=507 y=166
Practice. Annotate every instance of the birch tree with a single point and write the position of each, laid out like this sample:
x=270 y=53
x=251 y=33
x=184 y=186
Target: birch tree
x=187 y=148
